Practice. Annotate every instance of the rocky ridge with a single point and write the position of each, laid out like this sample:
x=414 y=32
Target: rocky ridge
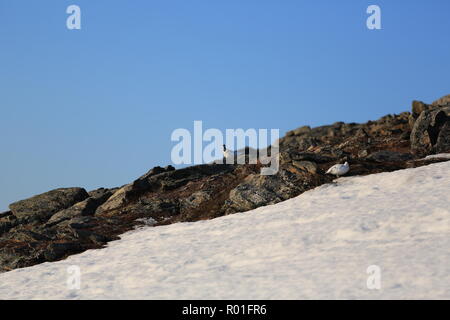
x=61 y=222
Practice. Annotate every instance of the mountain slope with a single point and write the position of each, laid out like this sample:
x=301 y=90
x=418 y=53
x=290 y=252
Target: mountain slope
x=56 y=224
x=317 y=245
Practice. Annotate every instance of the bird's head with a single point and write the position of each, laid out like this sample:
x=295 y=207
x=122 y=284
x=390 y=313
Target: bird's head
x=224 y=148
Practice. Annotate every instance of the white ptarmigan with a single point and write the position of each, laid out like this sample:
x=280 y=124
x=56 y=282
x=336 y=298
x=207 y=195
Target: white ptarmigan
x=228 y=153
x=339 y=169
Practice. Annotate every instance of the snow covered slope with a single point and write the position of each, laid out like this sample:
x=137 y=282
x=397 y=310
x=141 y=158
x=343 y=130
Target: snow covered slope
x=318 y=245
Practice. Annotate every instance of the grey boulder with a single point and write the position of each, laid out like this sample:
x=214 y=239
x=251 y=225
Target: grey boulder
x=43 y=206
x=86 y=207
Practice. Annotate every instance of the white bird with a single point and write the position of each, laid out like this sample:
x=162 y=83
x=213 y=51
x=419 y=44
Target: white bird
x=339 y=169
x=228 y=153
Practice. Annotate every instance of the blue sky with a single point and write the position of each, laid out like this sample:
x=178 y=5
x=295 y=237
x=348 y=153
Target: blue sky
x=96 y=107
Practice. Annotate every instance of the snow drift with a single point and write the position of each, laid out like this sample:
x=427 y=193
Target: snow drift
x=315 y=246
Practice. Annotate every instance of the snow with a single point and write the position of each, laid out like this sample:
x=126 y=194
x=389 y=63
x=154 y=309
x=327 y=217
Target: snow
x=438 y=156
x=318 y=245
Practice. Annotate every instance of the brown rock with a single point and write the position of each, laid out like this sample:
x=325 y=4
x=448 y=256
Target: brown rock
x=445 y=100
x=443 y=140
x=418 y=107
x=307 y=166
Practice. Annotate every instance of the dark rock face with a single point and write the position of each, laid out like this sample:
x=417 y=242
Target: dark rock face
x=42 y=206
x=5 y=225
x=86 y=207
x=310 y=157
x=427 y=129
x=5 y=214
x=443 y=140
x=53 y=225
x=389 y=156
x=101 y=193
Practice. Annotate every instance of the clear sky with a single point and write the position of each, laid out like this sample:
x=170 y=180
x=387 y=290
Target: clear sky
x=97 y=106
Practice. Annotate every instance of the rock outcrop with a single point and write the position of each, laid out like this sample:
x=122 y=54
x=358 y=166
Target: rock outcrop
x=41 y=207
x=430 y=129
x=61 y=222
x=444 y=101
